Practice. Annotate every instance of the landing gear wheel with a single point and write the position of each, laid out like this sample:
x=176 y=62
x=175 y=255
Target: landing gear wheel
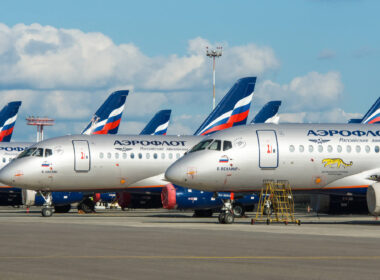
x=47 y=212
x=87 y=206
x=229 y=218
x=221 y=218
x=299 y=222
x=62 y=208
x=268 y=222
x=238 y=210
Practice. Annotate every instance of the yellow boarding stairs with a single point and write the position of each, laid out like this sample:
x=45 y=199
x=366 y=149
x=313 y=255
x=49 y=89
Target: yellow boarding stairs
x=276 y=204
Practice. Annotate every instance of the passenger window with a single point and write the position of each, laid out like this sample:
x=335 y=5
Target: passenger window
x=311 y=148
x=39 y=152
x=301 y=148
x=358 y=148
x=124 y=155
x=215 y=145
x=140 y=155
x=377 y=149
x=170 y=156
x=291 y=148
x=320 y=148
x=155 y=156
x=132 y=155
x=329 y=148
x=48 y=152
x=339 y=148
x=348 y=149
x=227 y=145
x=101 y=155
x=367 y=149
x=4 y=160
x=109 y=155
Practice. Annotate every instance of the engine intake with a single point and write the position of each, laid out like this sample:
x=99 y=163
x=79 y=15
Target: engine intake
x=373 y=199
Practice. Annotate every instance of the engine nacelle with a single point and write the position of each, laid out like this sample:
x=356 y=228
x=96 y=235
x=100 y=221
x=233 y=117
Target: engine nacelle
x=28 y=197
x=373 y=199
x=168 y=197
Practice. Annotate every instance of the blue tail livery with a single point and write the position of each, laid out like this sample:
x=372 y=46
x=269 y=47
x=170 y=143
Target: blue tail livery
x=8 y=116
x=268 y=114
x=158 y=125
x=107 y=118
x=373 y=115
x=232 y=110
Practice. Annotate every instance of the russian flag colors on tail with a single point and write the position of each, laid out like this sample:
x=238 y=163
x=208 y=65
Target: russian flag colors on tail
x=373 y=115
x=232 y=110
x=107 y=118
x=8 y=116
x=158 y=125
x=268 y=114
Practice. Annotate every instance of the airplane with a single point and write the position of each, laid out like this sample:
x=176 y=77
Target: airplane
x=158 y=125
x=311 y=157
x=205 y=203
x=114 y=162
x=105 y=120
x=8 y=116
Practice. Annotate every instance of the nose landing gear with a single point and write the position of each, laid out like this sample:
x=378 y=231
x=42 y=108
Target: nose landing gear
x=226 y=215
x=47 y=209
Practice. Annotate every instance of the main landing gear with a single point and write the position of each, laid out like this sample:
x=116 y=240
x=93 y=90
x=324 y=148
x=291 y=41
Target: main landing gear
x=47 y=209
x=87 y=206
x=226 y=215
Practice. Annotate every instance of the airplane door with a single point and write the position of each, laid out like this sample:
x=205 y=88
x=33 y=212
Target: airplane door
x=81 y=156
x=268 y=148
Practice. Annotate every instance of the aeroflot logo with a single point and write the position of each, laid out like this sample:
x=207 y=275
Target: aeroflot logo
x=149 y=143
x=344 y=133
x=12 y=149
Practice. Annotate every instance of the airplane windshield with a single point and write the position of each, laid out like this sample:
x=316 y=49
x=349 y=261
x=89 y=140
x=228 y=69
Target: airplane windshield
x=215 y=145
x=35 y=152
x=201 y=145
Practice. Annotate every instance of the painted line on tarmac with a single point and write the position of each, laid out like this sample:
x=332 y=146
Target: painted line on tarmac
x=312 y=258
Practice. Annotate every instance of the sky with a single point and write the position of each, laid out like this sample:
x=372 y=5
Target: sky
x=63 y=58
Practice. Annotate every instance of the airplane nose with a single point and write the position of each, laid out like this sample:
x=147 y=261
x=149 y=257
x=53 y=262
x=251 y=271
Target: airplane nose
x=5 y=176
x=176 y=174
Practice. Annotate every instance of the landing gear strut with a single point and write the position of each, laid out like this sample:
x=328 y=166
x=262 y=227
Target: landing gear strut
x=47 y=209
x=226 y=215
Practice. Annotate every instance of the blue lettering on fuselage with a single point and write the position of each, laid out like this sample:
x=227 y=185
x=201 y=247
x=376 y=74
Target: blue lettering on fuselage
x=12 y=149
x=149 y=143
x=344 y=133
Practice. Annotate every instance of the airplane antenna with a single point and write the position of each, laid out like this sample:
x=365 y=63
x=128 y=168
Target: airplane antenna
x=40 y=123
x=213 y=54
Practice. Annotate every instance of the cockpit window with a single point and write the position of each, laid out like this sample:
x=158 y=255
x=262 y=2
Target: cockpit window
x=39 y=152
x=201 y=145
x=215 y=145
x=48 y=152
x=27 y=152
x=227 y=145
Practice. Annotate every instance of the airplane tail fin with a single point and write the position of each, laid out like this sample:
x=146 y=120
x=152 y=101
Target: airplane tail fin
x=232 y=110
x=8 y=116
x=268 y=114
x=373 y=115
x=158 y=125
x=107 y=118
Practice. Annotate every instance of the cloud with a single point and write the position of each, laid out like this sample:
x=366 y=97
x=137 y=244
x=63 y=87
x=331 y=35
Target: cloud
x=312 y=92
x=326 y=54
x=334 y=115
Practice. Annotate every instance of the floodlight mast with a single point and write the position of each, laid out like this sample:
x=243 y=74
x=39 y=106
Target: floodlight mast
x=40 y=123
x=213 y=54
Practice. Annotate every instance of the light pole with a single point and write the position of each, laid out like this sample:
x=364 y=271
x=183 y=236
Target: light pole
x=40 y=123
x=213 y=54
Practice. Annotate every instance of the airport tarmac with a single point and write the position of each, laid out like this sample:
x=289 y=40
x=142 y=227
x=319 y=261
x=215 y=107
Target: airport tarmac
x=158 y=244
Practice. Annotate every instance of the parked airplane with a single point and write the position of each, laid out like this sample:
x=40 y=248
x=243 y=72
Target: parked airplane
x=311 y=157
x=105 y=120
x=111 y=162
x=158 y=125
x=8 y=116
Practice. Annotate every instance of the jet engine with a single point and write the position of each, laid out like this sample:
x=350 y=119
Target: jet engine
x=168 y=197
x=373 y=199
x=123 y=199
x=28 y=197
